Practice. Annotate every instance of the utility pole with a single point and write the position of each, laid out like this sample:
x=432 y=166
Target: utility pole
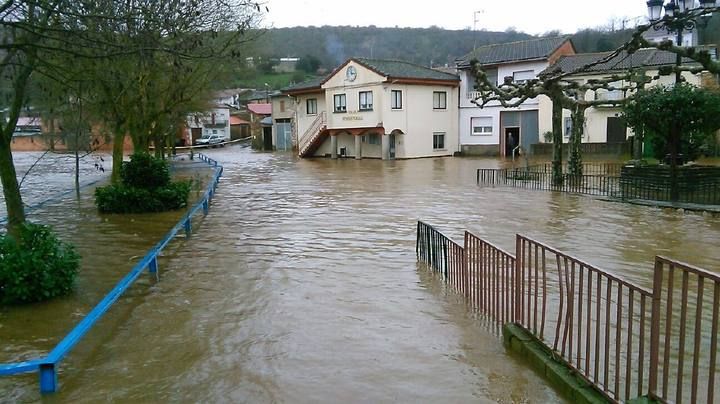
x=476 y=18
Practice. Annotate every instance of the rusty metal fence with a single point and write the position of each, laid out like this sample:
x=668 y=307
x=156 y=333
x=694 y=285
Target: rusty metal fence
x=598 y=322
x=685 y=333
x=491 y=271
x=625 y=339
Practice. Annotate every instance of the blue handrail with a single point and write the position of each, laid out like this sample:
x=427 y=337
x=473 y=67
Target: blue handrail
x=38 y=205
x=47 y=366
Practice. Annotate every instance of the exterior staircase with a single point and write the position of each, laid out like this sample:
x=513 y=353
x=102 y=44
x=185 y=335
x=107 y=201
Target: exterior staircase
x=314 y=136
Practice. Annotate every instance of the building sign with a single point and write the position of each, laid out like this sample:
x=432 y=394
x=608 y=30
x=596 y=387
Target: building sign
x=352 y=116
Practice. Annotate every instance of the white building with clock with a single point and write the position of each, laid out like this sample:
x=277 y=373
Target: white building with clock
x=377 y=109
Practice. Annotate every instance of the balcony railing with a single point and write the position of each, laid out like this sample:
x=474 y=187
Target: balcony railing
x=217 y=122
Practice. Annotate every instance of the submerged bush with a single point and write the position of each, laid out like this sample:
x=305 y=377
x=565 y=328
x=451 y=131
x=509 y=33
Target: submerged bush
x=145 y=171
x=145 y=188
x=38 y=267
x=123 y=199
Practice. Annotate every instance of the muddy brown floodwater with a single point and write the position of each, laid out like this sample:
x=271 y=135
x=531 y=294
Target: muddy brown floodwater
x=302 y=285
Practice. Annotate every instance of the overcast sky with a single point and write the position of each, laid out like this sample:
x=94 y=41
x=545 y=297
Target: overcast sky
x=531 y=16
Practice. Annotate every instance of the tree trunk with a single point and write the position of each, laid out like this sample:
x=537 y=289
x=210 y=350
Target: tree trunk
x=8 y=175
x=557 y=126
x=117 y=155
x=158 y=146
x=11 y=191
x=77 y=169
x=575 y=163
x=674 y=151
x=638 y=148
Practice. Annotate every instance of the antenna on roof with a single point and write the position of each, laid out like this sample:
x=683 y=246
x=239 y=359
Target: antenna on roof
x=476 y=19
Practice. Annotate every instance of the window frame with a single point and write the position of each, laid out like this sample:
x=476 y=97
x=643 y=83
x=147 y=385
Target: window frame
x=441 y=100
x=483 y=133
x=373 y=139
x=307 y=106
x=436 y=145
x=611 y=95
x=367 y=106
x=340 y=108
x=394 y=105
x=567 y=127
x=521 y=81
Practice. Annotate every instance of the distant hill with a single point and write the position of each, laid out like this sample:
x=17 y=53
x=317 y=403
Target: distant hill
x=333 y=45
x=425 y=46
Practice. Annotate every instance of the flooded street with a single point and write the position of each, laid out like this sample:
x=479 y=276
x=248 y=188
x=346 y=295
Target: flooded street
x=302 y=285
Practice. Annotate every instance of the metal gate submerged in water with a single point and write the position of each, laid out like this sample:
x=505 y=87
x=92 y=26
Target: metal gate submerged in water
x=627 y=340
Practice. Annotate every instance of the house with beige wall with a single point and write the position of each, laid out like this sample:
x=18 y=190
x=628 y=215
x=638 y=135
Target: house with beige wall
x=603 y=125
x=381 y=109
x=283 y=117
x=493 y=129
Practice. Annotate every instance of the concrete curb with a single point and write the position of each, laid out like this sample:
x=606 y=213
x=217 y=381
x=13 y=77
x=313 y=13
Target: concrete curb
x=551 y=367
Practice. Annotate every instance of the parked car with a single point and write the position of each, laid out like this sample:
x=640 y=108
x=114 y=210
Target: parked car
x=211 y=140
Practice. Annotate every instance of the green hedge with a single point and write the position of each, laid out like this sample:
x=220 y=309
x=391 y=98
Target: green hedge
x=145 y=188
x=39 y=267
x=122 y=199
x=145 y=171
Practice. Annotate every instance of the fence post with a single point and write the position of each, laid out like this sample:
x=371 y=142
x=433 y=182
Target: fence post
x=206 y=207
x=188 y=227
x=447 y=257
x=48 y=378
x=153 y=266
x=655 y=328
x=518 y=282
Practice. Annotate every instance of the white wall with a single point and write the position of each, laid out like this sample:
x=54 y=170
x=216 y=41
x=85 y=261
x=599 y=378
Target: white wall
x=417 y=119
x=222 y=114
x=596 y=118
x=468 y=110
x=303 y=119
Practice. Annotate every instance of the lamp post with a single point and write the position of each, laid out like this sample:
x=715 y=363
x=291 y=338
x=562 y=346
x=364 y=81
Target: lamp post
x=680 y=16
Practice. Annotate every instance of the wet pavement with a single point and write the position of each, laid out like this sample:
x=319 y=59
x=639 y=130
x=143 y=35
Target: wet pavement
x=302 y=285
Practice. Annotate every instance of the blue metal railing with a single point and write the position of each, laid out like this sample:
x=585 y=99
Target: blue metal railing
x=30 y=208
x=47 y=366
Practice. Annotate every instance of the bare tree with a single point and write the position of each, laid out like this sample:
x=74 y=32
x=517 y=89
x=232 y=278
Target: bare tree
x=565 y=92
x=52 y=38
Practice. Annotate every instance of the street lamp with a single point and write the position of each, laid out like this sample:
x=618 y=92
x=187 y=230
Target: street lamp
x=685 y=8
x=680 y=16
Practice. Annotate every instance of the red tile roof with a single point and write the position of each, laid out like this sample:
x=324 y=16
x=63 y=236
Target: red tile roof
x=260 y=109
x=234 y=120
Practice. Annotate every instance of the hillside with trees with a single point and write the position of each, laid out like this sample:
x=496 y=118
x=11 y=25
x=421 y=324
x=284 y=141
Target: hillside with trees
x=327 y=46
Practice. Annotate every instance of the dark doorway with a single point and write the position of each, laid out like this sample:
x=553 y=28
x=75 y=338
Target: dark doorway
x=616 y=130
x=391 y=149
x=195 y=133
x=512 y=140
x=267 y=138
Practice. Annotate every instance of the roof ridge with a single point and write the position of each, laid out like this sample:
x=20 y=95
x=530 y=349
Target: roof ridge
x=521 y=41
x=589 y=54
x=368 y=63
x=394 y=61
